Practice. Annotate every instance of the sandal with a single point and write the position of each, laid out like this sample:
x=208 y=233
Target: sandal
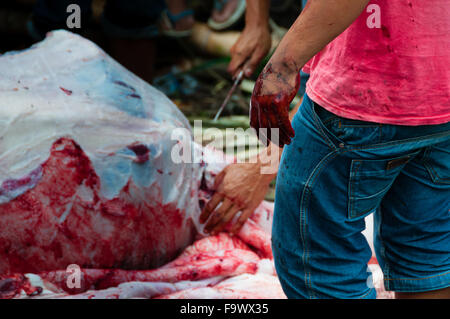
x=168 y=21
x=235 y=16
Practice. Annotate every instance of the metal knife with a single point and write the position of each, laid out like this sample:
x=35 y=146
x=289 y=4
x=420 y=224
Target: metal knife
x=230 y=93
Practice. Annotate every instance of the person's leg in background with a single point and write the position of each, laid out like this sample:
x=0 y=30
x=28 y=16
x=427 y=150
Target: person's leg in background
x=177 y=20
x=226 y=13
x=52 y=14
x=413 y=227
x=132 y=27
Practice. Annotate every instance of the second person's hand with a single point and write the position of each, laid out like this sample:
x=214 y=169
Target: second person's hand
x=252 y=46
x=240 y=187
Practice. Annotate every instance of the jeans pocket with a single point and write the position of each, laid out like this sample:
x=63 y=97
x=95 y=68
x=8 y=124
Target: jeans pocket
x=369 y=181
x=437 y=162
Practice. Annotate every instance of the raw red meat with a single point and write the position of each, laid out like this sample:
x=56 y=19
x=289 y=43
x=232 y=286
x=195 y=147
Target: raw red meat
x=52 y=225
x=245 y=286
x=135 y=290
x=209 y=257
x=207 y=262
x=257 y=231
x=13 y=285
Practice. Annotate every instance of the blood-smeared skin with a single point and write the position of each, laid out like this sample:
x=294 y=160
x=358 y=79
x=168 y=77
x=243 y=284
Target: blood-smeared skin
x=53 y=225
x=27 y=181
x=270 y=104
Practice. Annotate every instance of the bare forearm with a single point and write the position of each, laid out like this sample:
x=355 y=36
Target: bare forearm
x=318 y=24
x=257 y=13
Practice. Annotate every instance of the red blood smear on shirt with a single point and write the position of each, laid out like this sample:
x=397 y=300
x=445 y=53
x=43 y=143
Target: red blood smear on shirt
x=385 y=32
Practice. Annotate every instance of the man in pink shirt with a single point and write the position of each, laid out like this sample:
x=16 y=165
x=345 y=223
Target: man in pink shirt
x=371 y=136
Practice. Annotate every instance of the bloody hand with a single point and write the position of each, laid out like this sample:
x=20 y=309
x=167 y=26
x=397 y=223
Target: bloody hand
x=274 y=90
x=240 y=187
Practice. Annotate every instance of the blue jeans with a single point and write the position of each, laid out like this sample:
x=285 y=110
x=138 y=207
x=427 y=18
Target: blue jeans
x=337 y=171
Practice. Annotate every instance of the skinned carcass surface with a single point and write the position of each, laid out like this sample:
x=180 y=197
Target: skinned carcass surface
x=86 y=174
x=206 y=263
x=239 y=287
x=87 y=178
x=209 y=257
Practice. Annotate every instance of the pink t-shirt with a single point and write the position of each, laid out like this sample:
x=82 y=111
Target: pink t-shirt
x=394 y=72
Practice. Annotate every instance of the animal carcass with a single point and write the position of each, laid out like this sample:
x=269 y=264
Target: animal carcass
x=86 y=174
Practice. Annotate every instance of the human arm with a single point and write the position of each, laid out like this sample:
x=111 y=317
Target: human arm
x=240 y=187
x=254 y=42
x=318 y=24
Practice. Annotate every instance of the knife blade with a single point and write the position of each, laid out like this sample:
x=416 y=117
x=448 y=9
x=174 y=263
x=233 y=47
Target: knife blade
x=230 y=93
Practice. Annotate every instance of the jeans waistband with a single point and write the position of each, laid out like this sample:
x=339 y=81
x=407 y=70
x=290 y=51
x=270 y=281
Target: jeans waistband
x=419 y=136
